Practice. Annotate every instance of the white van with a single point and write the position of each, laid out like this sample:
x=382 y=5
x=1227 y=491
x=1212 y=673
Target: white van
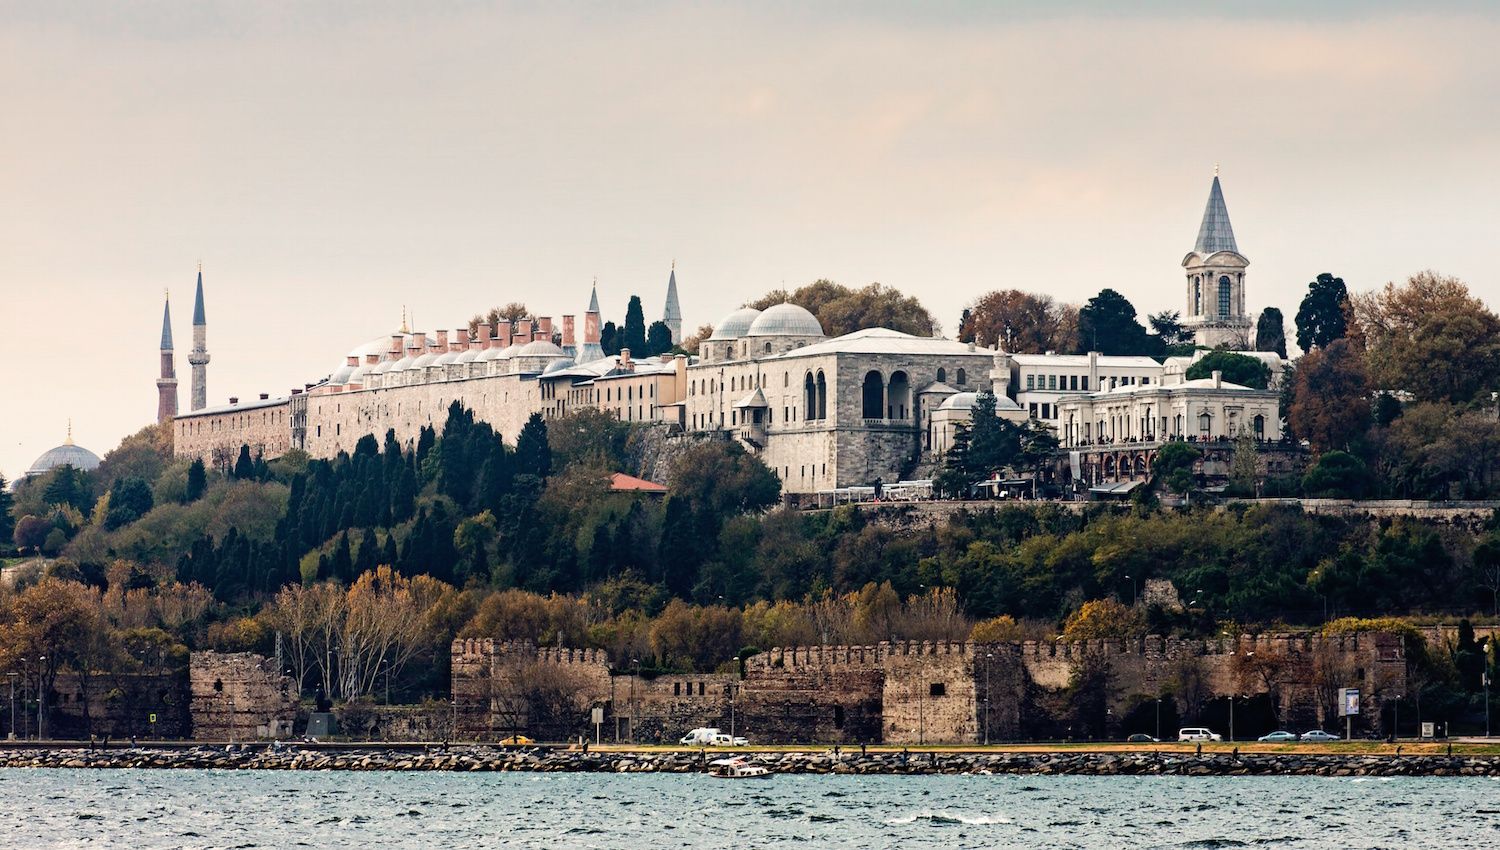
x=1197 y=733
x=700 y=737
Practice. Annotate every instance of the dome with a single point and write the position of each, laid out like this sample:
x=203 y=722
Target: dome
x=66 y=454
x=558 y=365
x=357 y=377
x=403 y=364
x=734 y=325
x=424 y=361
x=540 y=348
x=470 y=355
x=379 y=345
x=341 y=375
x=785 y=320
x=447 y=357
x=958 y=401
x=380 y=368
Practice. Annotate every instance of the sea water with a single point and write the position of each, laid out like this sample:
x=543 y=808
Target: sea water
x=273 y=809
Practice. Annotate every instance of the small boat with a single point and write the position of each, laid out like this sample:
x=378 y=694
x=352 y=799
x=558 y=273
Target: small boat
x=736 y=768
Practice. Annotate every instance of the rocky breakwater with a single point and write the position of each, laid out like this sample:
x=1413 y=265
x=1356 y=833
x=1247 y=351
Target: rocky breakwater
x=951 y=763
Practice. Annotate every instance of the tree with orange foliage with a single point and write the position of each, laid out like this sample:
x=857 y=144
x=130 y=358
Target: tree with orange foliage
x=1330 y=399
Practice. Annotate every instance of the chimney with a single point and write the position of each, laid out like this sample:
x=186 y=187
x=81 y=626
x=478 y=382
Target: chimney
x=625 y=363
x=440 y=341
x=591 y=328
x=264 y=396
x=567 y=332
x=505 y=335
x=544 y=328
x=372 y=359
x=1218 y=379
x=296 y=391
x=354 y=360
x=419 y=343
x=397 y=341
x=234 y=399
x=522 y=334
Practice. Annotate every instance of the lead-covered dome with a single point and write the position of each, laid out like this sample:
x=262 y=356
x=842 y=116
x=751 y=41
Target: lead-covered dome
x=66 y=454
x=785 y=320
x=734 y=325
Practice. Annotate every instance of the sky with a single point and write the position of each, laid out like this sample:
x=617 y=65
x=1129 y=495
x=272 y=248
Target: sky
x=333 y=164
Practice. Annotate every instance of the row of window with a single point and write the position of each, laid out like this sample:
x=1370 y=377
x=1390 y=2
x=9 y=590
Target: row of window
x=1080 y=383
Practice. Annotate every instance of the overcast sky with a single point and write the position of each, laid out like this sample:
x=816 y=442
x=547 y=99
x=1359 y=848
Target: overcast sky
x=330 y=164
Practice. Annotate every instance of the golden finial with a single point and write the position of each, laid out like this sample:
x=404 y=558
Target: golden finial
x=1216 y=169
x=404 y=328
x=69 y=441
x=674 y=264
x=166 y=293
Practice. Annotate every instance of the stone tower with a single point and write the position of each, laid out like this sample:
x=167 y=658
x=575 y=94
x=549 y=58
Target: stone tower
x=1215 y=311
x=166 y=385
x=590 y=350
x=199 y=356
x=672 y=315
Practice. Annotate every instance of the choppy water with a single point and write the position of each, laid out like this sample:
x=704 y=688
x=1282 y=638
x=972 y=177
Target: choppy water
x=197 y=809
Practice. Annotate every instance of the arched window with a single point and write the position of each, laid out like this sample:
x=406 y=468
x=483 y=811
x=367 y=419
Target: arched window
x=1224 y=292
x=809 y=397
x=1197 y=296
x=1204 y=422
x=898 y=399
x=873 y=396
x=942 y=375
x=963 y=378
x=822 y=396
x=1259 y=424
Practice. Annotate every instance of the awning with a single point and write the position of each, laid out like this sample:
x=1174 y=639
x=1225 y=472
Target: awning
x=1119 y=488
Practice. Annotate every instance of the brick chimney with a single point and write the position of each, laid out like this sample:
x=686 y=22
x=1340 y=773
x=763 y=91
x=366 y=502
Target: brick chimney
x=505 y=335
x=567 y=332
x=544 y=328
x=522 y=333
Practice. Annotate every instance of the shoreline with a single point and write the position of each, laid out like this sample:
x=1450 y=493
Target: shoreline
x=806 y=761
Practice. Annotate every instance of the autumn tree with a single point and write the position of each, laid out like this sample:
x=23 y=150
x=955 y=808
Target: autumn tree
x=1323 y=315
x=841 y=310
x=1018 y=322
x=1430 y=337
x=691 y=342
x=1104 y=618
x=1330 y=400
x=7 y=519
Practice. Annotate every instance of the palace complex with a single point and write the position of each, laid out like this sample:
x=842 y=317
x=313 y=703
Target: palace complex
x=824 y=413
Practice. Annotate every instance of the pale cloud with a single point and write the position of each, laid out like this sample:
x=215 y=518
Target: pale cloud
x=333 y=163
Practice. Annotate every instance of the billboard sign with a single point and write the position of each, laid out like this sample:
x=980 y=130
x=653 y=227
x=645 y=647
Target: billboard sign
x=1348 y=702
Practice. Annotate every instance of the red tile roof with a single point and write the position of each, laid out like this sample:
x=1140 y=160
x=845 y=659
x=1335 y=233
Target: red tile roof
x=620 y=482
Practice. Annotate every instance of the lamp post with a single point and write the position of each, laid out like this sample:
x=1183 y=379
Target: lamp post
x=1232 y=698
x=12 y=677
x=1158 y=715
x=732 y=683
x=41 y=697
x=1489 y=659
x=1132 y=590
x=636 y=663
x=989 y=658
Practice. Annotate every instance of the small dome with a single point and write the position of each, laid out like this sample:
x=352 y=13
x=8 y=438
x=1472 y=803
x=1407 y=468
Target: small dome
x=380 y=367
x=734 y=325
x=958 y=401
x=469 y=356
x=66 y=454
x=358 y=376
x=540 y=348
x=403 y=364
x=558 y=365
x=341 y=375
x=785 y=320
x=448 y=357
x=379 y=345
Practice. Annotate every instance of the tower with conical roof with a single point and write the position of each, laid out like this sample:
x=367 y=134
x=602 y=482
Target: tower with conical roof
x=672 y=315
x=198 y=358
x=591 y=349
x=1215 y=311
x=166 y=385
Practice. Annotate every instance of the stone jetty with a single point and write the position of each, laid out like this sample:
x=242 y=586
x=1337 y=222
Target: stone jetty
x=540 y=759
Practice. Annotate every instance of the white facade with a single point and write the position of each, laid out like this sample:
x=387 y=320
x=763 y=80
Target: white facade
x=1205 y=409
x=1041 y=381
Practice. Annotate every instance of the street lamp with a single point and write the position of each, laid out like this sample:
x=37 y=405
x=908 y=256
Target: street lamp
x=732 y=683
x=1489 y=661
x=41 y=696
x=1158 y=715
x=635 y=662
x=989 y=658
x=1132 y=590
x=12 y=676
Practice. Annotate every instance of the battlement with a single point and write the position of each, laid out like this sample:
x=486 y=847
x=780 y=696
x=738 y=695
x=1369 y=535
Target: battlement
x=468 y=650
x=1159 y=646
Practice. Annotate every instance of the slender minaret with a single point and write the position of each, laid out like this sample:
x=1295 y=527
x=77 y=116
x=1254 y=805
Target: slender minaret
x=166 y=385
x=672 y=315
x=199 y=356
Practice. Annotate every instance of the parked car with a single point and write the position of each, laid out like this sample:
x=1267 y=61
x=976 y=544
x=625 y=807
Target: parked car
x=1278 y=737
x=1319 y=735
x=722 y=740
x=1198 y=733
x=1139 y=738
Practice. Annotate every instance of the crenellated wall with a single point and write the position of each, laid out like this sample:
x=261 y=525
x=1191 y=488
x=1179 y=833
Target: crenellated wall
x=909 y=692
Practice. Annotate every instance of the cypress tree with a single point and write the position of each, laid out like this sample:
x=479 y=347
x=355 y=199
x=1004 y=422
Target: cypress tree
x=388 y=555
x=368 y=557
x=634 y=337
x=7 y=519
x=244 y=467
x=533 y=453
x=197 y=481
x=343 y=563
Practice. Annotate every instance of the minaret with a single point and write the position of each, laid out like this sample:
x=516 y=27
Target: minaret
x=166 y=385
x=1215 y=309
x=199 y=356
x=672 y=316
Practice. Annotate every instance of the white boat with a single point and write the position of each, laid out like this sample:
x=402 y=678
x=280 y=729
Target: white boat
x=736 y=768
